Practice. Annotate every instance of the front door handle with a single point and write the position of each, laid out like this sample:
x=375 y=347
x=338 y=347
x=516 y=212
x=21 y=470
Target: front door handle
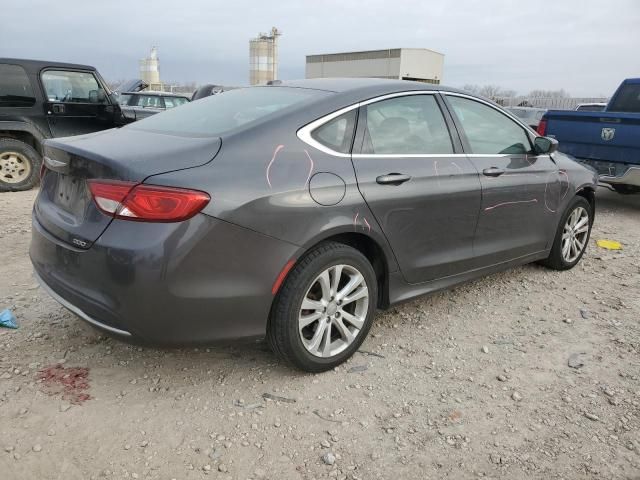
x=493 y=172
x=393 y=179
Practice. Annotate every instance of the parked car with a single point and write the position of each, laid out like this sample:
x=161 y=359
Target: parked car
x=295 y=211
x=40 y=100
x=138 y=105
x=529 y=115
x=207 y=90
x=609 y=141
x=591 y=107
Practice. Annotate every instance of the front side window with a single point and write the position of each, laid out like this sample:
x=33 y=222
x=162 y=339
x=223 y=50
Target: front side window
x=72 y=87
x=406 y=125
x=15 y=88
x=337 y=134
x=489 y=131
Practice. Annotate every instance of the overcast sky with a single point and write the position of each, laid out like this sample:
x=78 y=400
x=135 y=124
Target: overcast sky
x=584 y=46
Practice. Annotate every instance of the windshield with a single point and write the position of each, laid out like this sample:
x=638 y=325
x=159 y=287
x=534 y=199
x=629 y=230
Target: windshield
x=226 y=111
x=123 y=98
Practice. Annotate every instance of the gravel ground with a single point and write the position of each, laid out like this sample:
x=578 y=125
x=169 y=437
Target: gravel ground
x=473 y=382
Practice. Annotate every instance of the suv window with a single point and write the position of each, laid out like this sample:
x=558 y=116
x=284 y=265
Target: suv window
x=149 y=101
x=489 y=131
x=15 y=88
x=170 y=102
x=72 y=87
x=406 y=125
x=337 y=134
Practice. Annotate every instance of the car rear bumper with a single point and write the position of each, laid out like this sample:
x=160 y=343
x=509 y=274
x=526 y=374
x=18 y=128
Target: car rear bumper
x=197 y=281
x=616 y=172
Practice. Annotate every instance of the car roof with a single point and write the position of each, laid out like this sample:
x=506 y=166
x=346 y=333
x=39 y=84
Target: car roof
x=153 y=93
x=373 y=86
x=35 y=66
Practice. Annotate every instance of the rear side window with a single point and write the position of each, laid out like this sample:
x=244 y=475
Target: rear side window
x=337 y=134
x=406 y=125
x=227 y=111
x=72 y=87
x=489 y=131
x=15 y=88
x=149 y=101
x=170 y=102
x=627 y=100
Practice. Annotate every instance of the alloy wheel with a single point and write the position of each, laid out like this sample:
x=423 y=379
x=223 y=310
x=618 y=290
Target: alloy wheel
x=333 y=310
x=574 y=235
x=14 y=167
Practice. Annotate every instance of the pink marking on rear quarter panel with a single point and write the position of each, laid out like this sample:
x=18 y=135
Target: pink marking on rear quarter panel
x=310 y=167
x=273 y=159
x=503 y=204
x=355 y=220
x=368 y=226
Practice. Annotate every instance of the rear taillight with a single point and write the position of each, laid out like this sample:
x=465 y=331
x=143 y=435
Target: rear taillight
x=542 y=127
x=146 y=203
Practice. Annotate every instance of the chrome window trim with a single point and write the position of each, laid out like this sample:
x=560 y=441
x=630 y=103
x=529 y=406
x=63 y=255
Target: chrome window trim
x=304 y=133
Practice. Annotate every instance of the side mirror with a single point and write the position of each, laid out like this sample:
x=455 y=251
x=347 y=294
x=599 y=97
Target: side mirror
x=545 y=145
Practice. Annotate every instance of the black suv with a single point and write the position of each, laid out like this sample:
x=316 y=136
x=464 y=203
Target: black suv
x=40 y=100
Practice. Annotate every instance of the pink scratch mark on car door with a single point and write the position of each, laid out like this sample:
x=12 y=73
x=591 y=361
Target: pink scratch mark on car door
x=355 y=220
x=367 y=223
x=504 y=204
x=310 y=167
x=273 y=159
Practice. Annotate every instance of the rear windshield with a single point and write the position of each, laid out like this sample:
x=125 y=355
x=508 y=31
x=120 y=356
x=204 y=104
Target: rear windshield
x=627 y=99
x=226 y=111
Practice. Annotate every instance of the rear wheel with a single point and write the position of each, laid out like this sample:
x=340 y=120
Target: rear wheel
x=324 y=309
x=19 y=165
x=572 y=235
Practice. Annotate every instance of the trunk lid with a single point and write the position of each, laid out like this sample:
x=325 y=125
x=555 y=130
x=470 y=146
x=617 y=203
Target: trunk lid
x=65 y=207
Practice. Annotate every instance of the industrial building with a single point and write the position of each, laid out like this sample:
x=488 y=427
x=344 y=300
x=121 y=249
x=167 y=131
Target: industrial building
x=263 y=57
x=150 y=70
x=418 y=64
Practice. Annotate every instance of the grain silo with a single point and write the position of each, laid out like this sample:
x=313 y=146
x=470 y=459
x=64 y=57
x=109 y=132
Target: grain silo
x=150 y=70
x=263 y=57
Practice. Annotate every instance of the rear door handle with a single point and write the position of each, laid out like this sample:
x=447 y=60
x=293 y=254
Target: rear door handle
x=393 y=179
x=58 y=108
x=493 y=172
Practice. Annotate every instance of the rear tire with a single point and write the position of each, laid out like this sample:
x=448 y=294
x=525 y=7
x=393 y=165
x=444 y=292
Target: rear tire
x=338 y=286
x=19 y=165
x=572 y=236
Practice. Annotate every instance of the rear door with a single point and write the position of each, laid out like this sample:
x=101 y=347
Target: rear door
x=75 y=102
x=423 y=191
x=520 y=190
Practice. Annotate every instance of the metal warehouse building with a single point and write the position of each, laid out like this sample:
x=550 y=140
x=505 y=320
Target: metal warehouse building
x=418 y=64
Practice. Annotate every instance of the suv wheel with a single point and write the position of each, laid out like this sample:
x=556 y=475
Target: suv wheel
x=324 y=309
x=19 y=165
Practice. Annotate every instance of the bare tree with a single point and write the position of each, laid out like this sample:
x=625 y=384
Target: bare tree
x=562 y=93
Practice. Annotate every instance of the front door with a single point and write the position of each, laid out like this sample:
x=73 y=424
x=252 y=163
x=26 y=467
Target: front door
x=424 y=194
x=75 y=103
x=520 y=189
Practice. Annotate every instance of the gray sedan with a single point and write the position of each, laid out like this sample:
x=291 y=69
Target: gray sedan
x=294 y=211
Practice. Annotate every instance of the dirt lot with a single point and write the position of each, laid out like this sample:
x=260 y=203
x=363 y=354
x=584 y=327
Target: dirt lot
x=473 y=382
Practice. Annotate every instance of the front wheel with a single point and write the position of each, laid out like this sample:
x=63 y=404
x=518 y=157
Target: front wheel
x=324 y=309
x=572 y=235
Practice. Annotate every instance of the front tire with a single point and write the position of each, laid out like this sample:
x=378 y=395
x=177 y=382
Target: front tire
x=19 y=165
x=572 y=236
x=324 y=309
